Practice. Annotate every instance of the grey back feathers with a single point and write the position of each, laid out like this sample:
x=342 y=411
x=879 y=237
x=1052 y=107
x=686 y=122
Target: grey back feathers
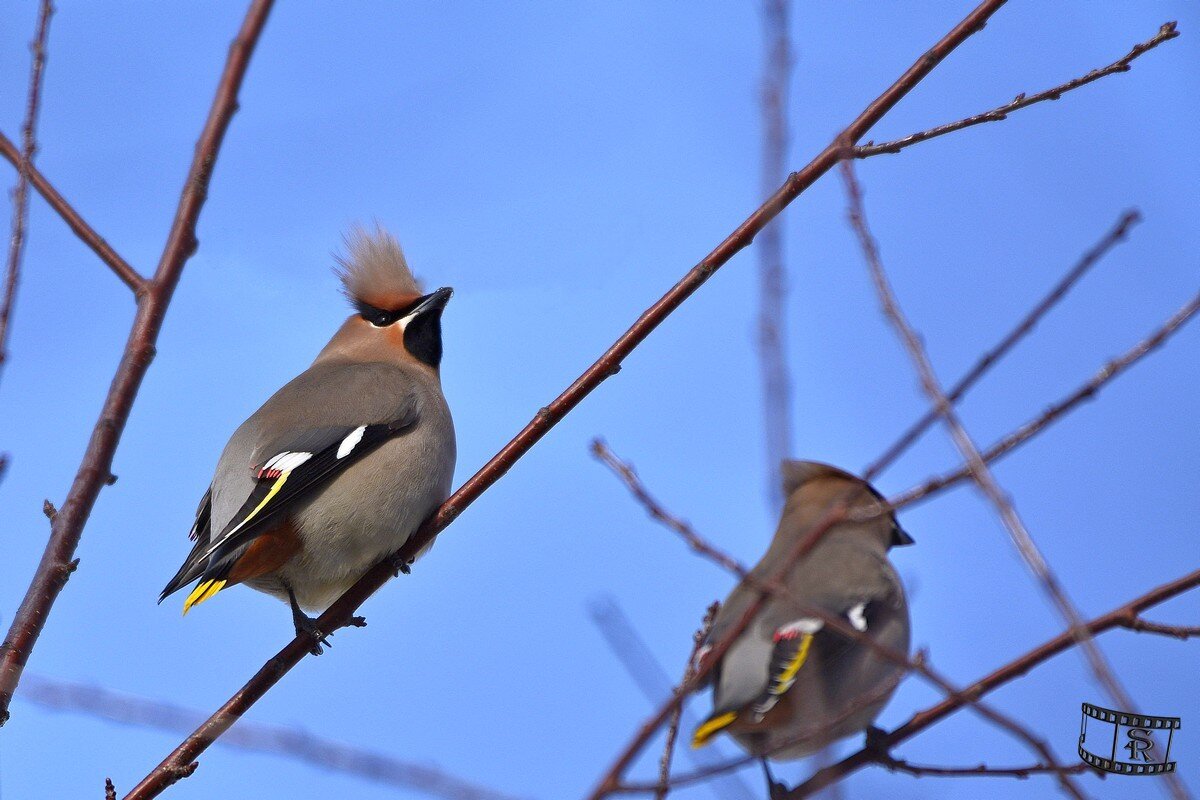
x=374 y=267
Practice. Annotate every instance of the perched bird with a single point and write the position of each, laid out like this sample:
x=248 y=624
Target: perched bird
x=340 y=466
x=790 y=684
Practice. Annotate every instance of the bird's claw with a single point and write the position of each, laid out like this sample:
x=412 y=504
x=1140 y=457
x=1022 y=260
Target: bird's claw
x=356 y=622
x=399 y=567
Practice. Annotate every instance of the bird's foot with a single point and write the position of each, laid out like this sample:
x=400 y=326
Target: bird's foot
x=307 y=626
x=876 y=742
x=356 y=622
x=400 y=566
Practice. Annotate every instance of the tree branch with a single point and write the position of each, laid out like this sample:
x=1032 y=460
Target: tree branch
x=1059 y=409
x=893 y=764
x=1165 y=33
x=86 y=233
x=664 y=764
x=1026 y=547
x=992 y=357
x=20 y=213
x=338 y=615
x=95 y=469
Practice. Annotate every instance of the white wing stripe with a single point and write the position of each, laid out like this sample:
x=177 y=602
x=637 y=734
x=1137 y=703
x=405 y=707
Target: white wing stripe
x=351 y=441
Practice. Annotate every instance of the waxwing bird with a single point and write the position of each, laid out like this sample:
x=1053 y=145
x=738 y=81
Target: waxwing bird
x=790 y=684
x=340 y=466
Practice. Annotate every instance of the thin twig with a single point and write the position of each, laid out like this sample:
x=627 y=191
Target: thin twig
x=893 y=764
x=772 y=276
x=96 y=467
x=339 y=614
x=664 y=763
x=1026 y=547
x=1177 y=631
x=989 y=359
x=20 y=195
x=1059 y=409
x=86 y=233
x=1117 y=618
x=276 y=740
x=920 y=665
x=1165 y=33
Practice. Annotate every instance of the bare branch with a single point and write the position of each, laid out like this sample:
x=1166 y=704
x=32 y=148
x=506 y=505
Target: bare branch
x=110 y=791
x=86 y=233
x=980 y=473
x=1059 y=409
x=772 y=276
x=1177 y=631
x=338 y=615
x=20 y=213
x=1117 y=618
x=1165 y=33
x=992 y=357
x=893 y=764
x=664 y=764
x=276 y=740
x=96 y=467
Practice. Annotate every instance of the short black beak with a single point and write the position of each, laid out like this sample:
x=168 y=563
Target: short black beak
x=434 y=301
x=900 y=537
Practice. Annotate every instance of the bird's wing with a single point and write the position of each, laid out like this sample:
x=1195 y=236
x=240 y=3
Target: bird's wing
x=298 y=465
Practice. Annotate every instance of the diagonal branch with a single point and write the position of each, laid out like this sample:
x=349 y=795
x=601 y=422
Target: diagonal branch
x=20 y=213
x=1059 y=409
x=992 y=357
x=94 y=471
x=339 y=614
x=893 y=764
x=1165 y=33
x=980 y=473
x=86 y=233
x=1120 y=617
x=664 y=764
x=276 y=740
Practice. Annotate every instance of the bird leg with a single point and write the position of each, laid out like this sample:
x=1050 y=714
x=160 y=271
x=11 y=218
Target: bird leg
x=401 y=566
x=307 y=626
x=776 y=790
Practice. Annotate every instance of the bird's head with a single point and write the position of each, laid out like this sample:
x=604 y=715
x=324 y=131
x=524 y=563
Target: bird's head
x=394 y=320
x=813 y=488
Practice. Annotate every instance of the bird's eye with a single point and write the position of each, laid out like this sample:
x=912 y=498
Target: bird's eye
x=380 y=320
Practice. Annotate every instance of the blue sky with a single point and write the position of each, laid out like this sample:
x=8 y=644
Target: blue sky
x=561 y=167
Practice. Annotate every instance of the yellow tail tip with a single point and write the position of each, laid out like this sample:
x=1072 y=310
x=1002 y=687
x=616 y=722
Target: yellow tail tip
x=203 y=591
x=710 y=727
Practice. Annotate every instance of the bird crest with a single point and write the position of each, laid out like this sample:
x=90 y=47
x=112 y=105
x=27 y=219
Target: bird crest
x=374 y=269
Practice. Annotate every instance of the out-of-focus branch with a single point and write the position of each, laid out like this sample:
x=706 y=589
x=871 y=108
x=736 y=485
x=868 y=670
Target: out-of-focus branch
x=20 y=195
x=1059 y=409
x=1121 y=617
x=276 y=740
x=777 y=588
x=893 y=764
x=1026 y=547
x=339 y=614
x=772 y=277
x=992 y=357
x=95 y=469
x=664 y=764
x=1165 y=33
x=633 y=653
x=86 y=233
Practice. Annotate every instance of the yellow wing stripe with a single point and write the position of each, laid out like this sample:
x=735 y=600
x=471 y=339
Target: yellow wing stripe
x=274 y=491
x=788 y=676
x=203 y=591
x=712 y=726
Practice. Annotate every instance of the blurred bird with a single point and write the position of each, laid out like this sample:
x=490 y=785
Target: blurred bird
x=789 y=684
x=340 y=466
